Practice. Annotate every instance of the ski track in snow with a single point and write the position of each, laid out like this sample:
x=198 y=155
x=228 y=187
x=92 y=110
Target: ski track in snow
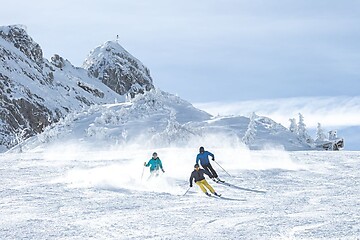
x=44 y=198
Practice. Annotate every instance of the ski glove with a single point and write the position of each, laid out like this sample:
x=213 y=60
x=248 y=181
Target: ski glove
x=213 y=158
x=145 y=164
x=163 y=170
x=190 y=185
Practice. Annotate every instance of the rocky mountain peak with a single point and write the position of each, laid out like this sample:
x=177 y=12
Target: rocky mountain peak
x=118 y=69
x=17 y=35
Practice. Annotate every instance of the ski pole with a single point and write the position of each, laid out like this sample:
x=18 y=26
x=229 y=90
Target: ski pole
x=142 y=174
x=222 y=168
x=186 y=191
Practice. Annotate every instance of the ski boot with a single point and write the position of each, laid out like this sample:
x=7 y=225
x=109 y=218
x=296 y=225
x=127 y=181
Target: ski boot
x=219 y=180
x=215 y=180
x=208 y=194
x=216 y=194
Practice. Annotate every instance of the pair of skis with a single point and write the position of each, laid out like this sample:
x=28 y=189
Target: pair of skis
x=225 y=198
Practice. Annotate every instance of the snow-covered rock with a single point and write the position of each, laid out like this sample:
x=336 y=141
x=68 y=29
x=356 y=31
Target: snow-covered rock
x=332 y=143
x=118 y=69
x=17 y=35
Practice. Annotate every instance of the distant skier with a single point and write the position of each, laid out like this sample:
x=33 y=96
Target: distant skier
x=198 y=175
x=155 y=165
x=203 y=157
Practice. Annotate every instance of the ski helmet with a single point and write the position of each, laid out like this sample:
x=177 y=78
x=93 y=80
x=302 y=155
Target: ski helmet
x=154 y=154
x=196 y=165
x=201 y=149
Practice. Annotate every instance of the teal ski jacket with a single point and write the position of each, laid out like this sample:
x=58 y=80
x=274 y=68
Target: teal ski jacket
x=155 y=164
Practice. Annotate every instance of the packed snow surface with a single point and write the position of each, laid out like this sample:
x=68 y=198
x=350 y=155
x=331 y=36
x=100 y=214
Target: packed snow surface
x=71 y=193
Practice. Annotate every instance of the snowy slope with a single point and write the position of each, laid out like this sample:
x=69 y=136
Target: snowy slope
x=268 y=133
x=158 y=119
x=155 y=118
x=74 y=194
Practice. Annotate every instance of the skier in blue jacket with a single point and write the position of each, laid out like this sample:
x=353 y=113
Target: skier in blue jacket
x=155 y=164
x=203 y=157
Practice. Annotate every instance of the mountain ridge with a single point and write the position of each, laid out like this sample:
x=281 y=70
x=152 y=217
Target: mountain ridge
x=36 y=92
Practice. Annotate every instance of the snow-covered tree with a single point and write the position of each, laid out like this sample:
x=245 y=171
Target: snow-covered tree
x=128 y=97
x=320 y=135
x=251 y=130
x=124 y=134
x=20 y=137
x=293 y=126
x=332 y=135
x=302 y=131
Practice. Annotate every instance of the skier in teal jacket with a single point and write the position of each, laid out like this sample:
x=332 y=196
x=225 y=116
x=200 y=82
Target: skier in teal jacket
x=155 y=164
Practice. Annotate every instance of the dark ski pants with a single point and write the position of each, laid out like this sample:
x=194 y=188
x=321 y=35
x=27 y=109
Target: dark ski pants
x=210 y=169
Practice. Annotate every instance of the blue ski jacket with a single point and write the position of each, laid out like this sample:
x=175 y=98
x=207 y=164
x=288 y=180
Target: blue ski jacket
x=155 y=164
x=204 y=158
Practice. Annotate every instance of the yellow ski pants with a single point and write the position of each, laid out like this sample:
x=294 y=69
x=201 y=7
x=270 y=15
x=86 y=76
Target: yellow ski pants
x=202 y=184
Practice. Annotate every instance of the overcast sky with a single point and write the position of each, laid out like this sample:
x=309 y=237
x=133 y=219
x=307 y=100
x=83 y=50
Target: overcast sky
x=206 y=50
